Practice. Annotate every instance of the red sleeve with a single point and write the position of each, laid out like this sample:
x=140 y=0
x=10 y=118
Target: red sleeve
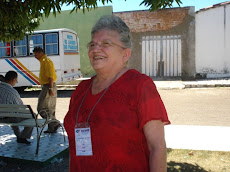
x=150 y=105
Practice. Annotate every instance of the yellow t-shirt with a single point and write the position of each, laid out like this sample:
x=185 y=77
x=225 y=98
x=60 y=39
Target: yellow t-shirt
x=47 y=70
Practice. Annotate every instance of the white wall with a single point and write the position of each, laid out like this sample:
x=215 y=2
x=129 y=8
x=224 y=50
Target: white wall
x=212 y=32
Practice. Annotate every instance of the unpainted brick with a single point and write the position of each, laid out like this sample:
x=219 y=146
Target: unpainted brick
x=159 y=20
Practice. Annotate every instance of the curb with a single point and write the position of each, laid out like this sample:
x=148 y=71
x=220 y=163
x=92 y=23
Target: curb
x=165 y=85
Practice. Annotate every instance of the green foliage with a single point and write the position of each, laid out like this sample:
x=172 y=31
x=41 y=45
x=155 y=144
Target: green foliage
x=16 y=18
x=20 y=16
x=157 y=4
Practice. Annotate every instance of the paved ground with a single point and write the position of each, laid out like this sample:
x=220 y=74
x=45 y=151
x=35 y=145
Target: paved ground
x=197 y=106
x=203 y=106
x=193 y=137
x=203 y=110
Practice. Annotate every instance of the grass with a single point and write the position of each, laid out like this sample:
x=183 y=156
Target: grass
x=179 y=160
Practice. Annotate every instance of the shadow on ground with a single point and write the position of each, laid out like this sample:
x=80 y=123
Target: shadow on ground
x=35 y=94
x=62 y=165
x=59 y=164
x=183 y=167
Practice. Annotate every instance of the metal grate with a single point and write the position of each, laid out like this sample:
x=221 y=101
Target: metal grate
x=161 y=55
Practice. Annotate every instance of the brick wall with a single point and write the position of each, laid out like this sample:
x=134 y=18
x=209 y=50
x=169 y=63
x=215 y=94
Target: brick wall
x=159 y=20
x=163 y=22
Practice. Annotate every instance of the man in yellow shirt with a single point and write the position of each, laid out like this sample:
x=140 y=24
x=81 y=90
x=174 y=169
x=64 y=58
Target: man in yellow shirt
x=48 y=95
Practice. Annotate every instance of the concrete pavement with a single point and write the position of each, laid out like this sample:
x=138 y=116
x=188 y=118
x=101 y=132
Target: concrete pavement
x=214 y=138
x=178 y=84
x=169 y=84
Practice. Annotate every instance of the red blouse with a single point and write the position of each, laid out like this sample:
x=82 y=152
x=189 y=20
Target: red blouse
x=116 y=123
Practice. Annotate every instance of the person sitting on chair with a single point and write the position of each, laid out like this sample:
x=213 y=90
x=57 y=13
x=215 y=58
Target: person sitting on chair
x=9 y=95
x=1 y=78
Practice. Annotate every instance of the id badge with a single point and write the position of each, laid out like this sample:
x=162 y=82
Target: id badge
x=83 y=141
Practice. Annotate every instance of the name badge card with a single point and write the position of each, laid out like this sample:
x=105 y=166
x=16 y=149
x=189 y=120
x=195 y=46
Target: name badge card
x=83 y=142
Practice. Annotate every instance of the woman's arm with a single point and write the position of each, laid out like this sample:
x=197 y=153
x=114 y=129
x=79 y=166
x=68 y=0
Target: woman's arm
x=154 y=133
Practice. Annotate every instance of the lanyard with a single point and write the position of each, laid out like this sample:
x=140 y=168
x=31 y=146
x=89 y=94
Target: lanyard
x=87 y=122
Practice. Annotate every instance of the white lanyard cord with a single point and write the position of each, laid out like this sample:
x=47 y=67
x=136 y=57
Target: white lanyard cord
x=87 y=122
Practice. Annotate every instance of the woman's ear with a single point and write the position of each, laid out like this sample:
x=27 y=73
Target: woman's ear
x=126 y=55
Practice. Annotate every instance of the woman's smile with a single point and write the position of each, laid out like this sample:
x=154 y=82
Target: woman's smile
x=98 y=58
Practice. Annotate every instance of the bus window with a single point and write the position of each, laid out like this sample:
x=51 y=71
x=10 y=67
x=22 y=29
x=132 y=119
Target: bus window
x=5 y=49
x=35 y=41
x=51 y=44
x=20 y=47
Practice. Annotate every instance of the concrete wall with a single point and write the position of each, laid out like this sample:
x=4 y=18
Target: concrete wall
x=213 y=41
x=164 y=22
x=81 y=23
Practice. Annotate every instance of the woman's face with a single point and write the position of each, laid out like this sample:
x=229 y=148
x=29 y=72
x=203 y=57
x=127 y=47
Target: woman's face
x=106 y=51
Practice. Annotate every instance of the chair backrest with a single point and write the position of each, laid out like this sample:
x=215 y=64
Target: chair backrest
x=12 y=110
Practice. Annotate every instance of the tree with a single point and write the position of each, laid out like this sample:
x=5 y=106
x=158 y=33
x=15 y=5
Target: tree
x=20 y=16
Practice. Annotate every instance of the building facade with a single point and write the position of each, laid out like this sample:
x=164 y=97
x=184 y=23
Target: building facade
x=213 y=41
x=81 y=23
x=167 y=43
x=163 y=41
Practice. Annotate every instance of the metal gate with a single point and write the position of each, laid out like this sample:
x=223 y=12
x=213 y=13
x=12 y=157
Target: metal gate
x=161 y=56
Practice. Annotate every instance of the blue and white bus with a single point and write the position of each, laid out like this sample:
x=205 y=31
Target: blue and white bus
x=61 y=46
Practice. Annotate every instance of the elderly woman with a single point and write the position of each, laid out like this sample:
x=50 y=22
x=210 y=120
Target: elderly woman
x=116 y=119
